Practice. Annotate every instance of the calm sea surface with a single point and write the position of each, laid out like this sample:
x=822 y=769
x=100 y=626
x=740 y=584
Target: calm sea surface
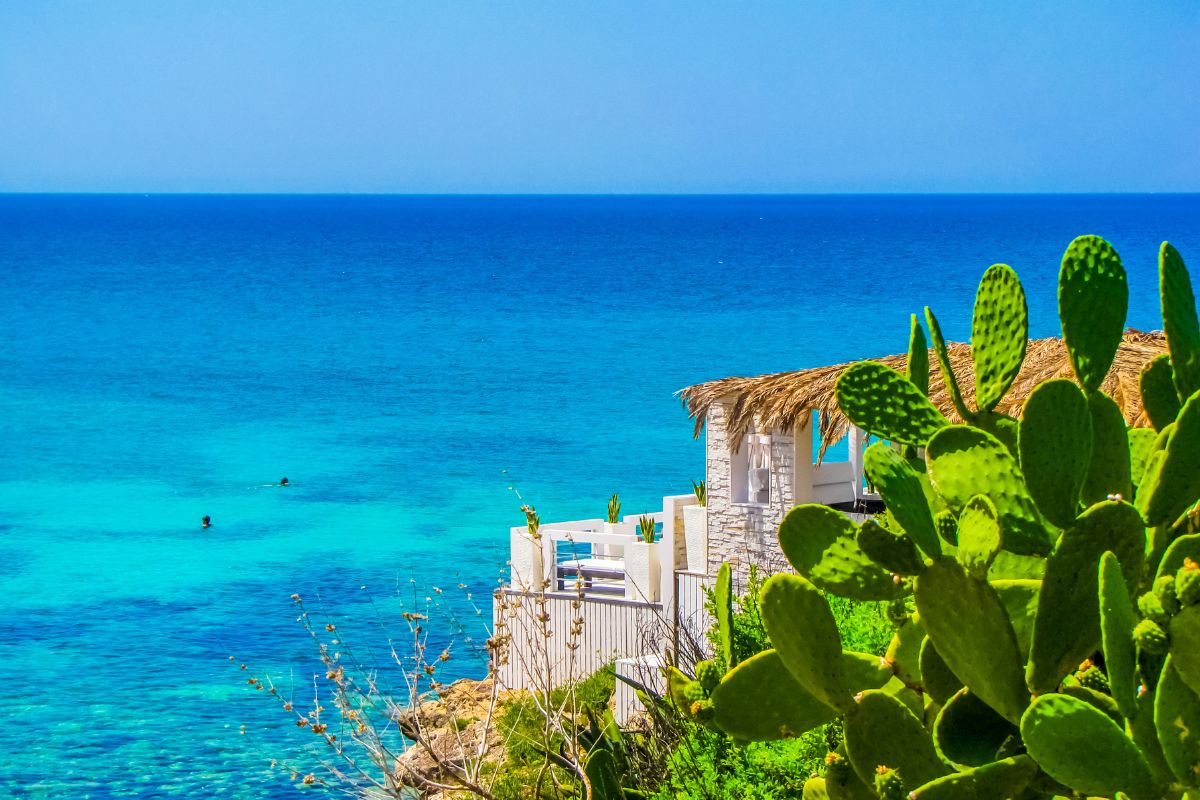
x=404 y=361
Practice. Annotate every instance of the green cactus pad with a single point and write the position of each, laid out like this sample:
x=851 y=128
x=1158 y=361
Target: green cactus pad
x=999 y=333
x=1179 y=319
x=1079 y=746
x=1141 y=445
x=947 y=526
x=965 y=462
x=1184 y=631
x=968 y=733
x=1176 y=482
x=903 y=491
x=943 y=358
x=1056 y=446
x=842 y=782
x=1116 y=635
x=896 y=553
x=1160 y=398
x=865 y=671
x=917 y=368
x=814 y=789
x=1177 y=720
x=1093 y=296
x=1186 y=546
x=882 y=730
x=820 y=543
x=759 y=700
x=723 y=599
x=1066 y=629
x=883 y=402
x=888 y=784
x=965 y=618
x=979 y=537
x=903 y=654
x=1005 y=428
x=1020 y=600
x=802 y=628
x=1010 y=566
x=938 y=680
x=914 y=701
x=1005 y=778
x=1187 y=585
x=677 y=688
x=1097 y=700
x=1142 y=731
x=1109 y=471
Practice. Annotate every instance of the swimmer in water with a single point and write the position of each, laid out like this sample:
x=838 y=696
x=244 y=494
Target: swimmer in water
x=283 y=481
x=205 y=521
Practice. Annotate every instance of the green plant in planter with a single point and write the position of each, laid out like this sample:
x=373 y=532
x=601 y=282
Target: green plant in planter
x=614 y=509
x=701 y=492
x=646 y=526
x=1055 y=646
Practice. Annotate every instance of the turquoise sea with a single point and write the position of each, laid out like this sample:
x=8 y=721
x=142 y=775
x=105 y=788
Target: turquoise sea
x=407 y=362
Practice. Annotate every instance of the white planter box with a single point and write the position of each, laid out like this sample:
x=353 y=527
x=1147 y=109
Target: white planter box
x=527 y=561
x=695 y=532
x=642 y=573
x=615 y=550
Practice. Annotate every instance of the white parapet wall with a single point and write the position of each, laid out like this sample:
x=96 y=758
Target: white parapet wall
x=561 y=618
x=646 y=670
x=553 y=639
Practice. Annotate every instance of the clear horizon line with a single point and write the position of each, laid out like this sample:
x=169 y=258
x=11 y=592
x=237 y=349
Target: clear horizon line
x=38 y=193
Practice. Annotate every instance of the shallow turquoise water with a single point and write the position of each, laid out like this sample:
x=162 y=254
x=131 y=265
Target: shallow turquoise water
x=404 y=361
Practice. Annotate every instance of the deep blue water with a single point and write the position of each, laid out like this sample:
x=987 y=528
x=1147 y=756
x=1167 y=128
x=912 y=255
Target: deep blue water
x=404 y=361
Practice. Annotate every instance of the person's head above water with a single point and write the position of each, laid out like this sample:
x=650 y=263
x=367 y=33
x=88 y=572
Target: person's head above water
x=205 y=520
x=283 y=481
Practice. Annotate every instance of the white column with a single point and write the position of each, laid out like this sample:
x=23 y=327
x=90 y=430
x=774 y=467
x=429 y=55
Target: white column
x=803 y=481
x=527 y=560
x=857 y=438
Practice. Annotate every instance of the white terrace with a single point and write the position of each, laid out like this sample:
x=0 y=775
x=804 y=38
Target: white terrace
x=584 y=593
x=606 y=594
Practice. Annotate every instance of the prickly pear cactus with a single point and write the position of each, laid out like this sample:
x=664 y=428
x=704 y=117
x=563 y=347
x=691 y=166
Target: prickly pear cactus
x=999 y=334
x=1054 y=563
x=884 y=403
x=888 y=784
x=1092 y=300
x=1179 y=320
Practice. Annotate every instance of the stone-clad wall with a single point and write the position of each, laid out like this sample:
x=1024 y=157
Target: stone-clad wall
x=739 y=533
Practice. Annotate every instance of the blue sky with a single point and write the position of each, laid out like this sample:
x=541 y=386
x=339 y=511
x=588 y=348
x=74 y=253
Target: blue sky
x=599 y=97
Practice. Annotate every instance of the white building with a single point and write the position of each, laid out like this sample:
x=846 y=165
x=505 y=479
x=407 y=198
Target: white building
x=584 y=593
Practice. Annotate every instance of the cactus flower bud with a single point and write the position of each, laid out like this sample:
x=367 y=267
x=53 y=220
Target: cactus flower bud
x=1164 y=587
x=1187 y=583
x=1150 y=637
x=1091 y=677
x=888 y=784
x=694 y=692
x=1151 y=607
x=708 y=674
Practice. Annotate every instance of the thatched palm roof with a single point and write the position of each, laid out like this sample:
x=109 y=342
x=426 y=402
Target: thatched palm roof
x=779 y=400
